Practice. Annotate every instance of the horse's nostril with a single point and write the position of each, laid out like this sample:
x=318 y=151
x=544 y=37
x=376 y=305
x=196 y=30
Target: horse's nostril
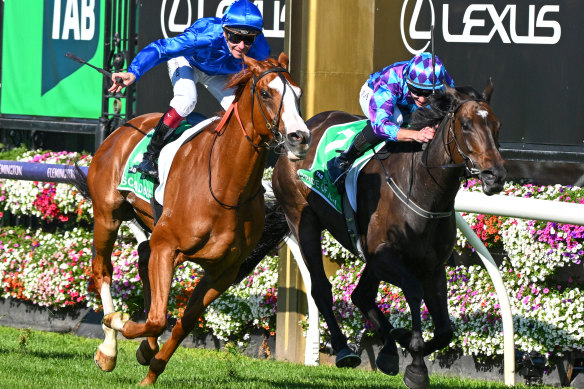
x=294 y=137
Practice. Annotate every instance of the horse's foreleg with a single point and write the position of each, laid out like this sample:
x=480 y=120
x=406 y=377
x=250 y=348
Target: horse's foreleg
x=416 y=374
x=363 y=297
x=160 y=269
x=321 y=291
x=435 y=297
x=204 y=294
x=149 y=347
x=104 y=236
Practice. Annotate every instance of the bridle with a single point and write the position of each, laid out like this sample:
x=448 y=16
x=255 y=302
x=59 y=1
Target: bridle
x=468 y=164
x=274 y=127
x=450 y=119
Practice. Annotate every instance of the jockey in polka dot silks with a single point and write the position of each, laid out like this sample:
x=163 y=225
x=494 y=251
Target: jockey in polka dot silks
x=207 y=52
x=388 y=98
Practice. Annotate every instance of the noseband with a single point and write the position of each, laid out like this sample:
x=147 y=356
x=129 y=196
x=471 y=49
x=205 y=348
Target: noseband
x=274 y=126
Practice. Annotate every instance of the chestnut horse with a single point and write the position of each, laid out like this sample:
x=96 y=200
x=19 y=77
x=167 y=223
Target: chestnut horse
x=213 y=210
x=407 y=236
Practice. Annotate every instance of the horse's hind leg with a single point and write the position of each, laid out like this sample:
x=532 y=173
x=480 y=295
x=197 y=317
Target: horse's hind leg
x=309 y=242
x=204 y=294
x=363 y=297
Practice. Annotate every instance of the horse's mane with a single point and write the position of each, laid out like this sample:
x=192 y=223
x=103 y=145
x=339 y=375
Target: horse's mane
x=440 y=104
x=239 y=80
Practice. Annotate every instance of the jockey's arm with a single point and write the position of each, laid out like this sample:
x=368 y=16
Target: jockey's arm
x=421 y=136
x=154 y=54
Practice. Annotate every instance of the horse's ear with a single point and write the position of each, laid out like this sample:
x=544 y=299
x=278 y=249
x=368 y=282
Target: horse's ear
x=283 y=60
x=488 y=90
x=251 y=63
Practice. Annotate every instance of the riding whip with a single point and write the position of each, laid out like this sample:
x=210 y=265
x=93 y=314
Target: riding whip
x=433 y=59
x=119 y=80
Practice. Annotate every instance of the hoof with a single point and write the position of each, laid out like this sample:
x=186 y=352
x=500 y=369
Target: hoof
x=347 y=358
x=387 y=363
x=144 y=353
x=104 y=362
x=149 y=380
x=115 y=320
x=416 y=380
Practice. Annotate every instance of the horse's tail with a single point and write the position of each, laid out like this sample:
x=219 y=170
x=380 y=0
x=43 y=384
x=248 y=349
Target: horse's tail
x=79 y=180
x=275 y=229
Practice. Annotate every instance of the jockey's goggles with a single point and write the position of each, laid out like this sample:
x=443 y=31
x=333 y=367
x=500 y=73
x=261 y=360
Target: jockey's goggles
x=417 y=92
x=235 y=37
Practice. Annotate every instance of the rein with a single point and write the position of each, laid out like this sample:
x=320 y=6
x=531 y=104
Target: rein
x=405 y=199
x=273 y=127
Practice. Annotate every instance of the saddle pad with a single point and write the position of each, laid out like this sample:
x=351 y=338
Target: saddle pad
x=169 y=151
x=131 y=179
x=335 y=138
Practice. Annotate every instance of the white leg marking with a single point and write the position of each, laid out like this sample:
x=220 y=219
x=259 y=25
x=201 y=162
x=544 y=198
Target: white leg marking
x=109 y=346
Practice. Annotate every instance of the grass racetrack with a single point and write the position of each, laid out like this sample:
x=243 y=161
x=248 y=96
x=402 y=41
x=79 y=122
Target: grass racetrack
x=34 y=359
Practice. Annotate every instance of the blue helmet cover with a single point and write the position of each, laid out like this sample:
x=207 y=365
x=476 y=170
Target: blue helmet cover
x=419 y=72
x=243 y=14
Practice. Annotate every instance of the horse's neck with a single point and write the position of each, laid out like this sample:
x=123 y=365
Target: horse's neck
x=433 y=186
x=242 y=164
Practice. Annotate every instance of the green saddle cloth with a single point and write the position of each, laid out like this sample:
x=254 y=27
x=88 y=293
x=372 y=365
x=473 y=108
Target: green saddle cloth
x=131 y=179
x=335 y=138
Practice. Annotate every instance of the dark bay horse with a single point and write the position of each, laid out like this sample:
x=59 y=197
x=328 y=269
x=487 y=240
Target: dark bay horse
x=213 y=206
x=406 y=240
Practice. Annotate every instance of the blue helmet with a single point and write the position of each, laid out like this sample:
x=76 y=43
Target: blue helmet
x=243 y=15
x=419 y=72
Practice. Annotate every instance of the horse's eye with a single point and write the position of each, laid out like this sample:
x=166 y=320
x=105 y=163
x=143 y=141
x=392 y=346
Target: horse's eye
x=466 y=125
x=264 y=94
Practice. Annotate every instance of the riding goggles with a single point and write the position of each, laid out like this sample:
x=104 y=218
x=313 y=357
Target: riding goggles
x=416 y=92
x=235 y=37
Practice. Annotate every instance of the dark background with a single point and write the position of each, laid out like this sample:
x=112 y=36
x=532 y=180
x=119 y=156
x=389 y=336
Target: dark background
x=537 y=86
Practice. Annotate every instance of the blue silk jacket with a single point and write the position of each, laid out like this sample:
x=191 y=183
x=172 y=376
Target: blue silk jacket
x=203 y=45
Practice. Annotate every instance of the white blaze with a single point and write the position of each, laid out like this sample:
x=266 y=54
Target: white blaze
x=290 y=116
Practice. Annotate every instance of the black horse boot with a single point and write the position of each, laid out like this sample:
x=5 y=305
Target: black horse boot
x=149 y=166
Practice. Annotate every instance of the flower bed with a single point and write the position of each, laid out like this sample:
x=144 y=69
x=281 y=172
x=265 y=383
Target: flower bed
x=53 y=270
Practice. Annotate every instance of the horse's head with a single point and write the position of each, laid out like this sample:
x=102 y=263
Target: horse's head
x=474 y=132
x=275 y=106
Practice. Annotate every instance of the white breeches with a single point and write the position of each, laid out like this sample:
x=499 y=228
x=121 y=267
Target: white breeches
x=185 y=77
x=365 y=96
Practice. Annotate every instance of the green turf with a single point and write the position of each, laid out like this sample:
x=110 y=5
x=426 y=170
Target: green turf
x=34 y=359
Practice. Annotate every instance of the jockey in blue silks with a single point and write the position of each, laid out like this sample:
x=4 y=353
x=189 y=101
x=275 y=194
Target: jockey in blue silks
x=387 y=99
x=207 y=52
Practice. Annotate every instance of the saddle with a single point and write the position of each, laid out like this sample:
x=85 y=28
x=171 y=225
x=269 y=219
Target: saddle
x=146 y=188
x=317 y=179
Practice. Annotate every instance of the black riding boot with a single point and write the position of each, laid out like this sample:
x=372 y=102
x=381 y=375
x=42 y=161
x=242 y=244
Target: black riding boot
x=162 y=134
x=339 y=166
